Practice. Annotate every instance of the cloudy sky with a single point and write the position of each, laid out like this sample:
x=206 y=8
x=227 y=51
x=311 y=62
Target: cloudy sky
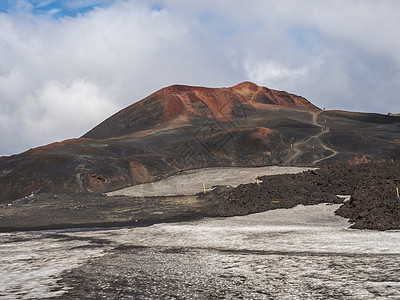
x=66 y=65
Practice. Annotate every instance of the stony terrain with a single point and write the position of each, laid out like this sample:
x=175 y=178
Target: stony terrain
x=372 y=186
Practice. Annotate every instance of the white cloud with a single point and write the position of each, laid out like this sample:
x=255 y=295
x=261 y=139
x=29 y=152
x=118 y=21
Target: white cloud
x=44 y=3
x=58 y=110
x=338 y=54
x=265 y=71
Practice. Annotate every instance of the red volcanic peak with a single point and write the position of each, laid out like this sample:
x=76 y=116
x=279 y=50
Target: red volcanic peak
x=183 y=103
x=224 y=99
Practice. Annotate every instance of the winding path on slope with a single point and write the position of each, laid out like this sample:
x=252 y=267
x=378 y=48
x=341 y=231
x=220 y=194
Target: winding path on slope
x=299 y=147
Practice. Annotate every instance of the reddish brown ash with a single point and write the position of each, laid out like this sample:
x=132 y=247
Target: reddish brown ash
x=220 y=101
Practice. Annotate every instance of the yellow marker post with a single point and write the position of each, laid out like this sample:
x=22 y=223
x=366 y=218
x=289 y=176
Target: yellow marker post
x=322 y=129
x=291 y=146
x=258 y=182
x=397 y=189
x=204 y=188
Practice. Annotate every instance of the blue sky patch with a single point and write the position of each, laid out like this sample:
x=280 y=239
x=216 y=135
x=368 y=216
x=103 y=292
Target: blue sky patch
x=159 y=6
x=4 y=6
x=54 y=8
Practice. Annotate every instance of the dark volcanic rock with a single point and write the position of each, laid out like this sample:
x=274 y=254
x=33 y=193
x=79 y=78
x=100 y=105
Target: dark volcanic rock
x=281 y=191
x=373 y=204
x=373 y=208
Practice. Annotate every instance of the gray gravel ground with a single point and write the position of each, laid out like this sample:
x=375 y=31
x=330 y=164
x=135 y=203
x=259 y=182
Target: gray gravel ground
x=301 y=253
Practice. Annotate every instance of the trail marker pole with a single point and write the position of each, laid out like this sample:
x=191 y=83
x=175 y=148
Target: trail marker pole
x=397 y=189
x=258 y=182
x=204 y=188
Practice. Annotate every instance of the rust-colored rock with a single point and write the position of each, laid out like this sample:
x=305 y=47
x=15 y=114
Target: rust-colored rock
x=139 y=172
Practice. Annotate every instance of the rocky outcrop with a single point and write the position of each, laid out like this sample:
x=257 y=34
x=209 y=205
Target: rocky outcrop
x=372 y=186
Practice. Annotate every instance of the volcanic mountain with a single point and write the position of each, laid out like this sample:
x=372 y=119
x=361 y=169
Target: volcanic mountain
x=183 y=104
x=183 y=127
